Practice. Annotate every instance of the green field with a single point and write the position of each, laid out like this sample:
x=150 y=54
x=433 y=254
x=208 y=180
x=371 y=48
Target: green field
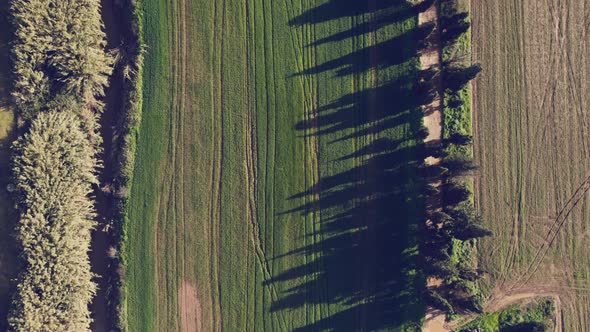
x=7 y=213
x=275 y=185
x=531 y=143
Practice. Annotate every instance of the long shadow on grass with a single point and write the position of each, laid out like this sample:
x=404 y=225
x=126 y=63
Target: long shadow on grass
x=362 y=270
x=379 y=56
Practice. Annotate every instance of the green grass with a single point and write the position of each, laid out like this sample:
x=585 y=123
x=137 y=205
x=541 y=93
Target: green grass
x=274 y=212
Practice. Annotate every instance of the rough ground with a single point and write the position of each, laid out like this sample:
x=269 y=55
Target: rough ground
x=531 y=143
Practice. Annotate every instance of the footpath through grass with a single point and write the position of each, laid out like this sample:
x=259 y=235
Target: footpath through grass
x=276 y=183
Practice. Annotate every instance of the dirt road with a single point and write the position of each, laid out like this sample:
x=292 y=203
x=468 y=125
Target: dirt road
x=430 y=58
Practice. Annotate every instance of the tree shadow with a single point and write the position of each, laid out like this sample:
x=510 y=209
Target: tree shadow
x=363 y=259
x=380 y=20
x=389 y=11
x=379 y=56
x=10 y=263
x=349 y=111
x=366 y=258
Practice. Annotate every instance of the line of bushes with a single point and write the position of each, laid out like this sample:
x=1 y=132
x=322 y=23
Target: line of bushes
x=61 y=69
x=451 y=233
x=59 y=50
x=54 y=169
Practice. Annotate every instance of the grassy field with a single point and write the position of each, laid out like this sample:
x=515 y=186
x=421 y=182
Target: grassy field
x=531 y=129
x=275 y=186
x=7 y=213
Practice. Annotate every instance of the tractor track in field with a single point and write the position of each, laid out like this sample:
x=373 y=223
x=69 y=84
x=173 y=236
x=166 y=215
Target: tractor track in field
x=541 y=128
x=548 y=159
x=189 y=304
x=308 y=58
x=251 y=177
x=216 y=177
x=517 y=221
x=221 y=164
x=560 y=220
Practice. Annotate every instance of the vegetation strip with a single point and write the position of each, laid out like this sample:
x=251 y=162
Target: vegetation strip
x=60 y=72
x=54 y=167
x=453 y=224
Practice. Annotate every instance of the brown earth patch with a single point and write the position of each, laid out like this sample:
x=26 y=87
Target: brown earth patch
x=190 y=307
x=435 y=322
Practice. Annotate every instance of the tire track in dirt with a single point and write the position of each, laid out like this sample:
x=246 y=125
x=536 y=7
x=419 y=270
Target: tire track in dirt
x=516 y=36
x=560 y=220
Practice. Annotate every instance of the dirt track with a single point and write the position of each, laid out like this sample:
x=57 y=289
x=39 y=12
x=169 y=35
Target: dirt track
x=430 y=58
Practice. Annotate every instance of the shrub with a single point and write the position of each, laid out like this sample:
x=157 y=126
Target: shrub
x=58 y=50
x=54 y=170
x=60 y=70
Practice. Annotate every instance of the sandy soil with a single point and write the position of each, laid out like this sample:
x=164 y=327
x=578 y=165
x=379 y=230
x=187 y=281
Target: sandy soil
x=190 y=307
x=430 y=58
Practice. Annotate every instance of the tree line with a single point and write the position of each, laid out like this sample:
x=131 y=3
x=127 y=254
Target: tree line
x=60 y=71
x=451 y=231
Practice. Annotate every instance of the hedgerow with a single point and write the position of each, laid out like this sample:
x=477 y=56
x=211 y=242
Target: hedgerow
x=54 y=169
x=61 y=69
x=58 y=50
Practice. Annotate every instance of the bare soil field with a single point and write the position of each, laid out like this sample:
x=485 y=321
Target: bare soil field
x=531 y=143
